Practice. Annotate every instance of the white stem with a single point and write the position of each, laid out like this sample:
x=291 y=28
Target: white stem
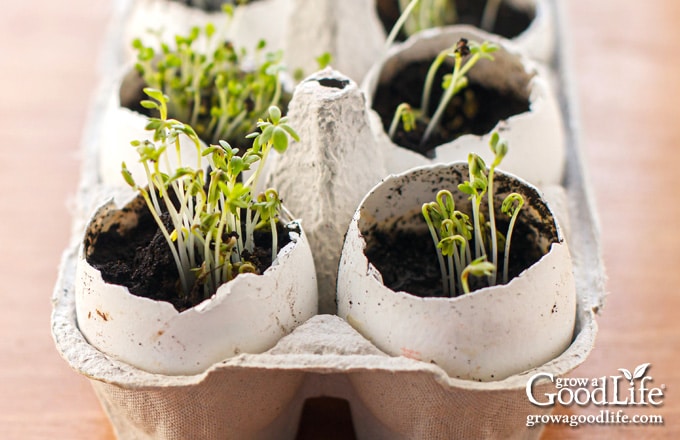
x=275 y=239
x=490 y=14
x=398 y=25
x=506 y=255
x=492 y=223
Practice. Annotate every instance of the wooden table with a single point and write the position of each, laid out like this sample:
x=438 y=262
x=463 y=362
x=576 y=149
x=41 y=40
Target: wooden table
x=625 y=63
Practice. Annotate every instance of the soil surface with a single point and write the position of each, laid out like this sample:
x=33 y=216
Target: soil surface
x=510 y=21
x=474 y=110
x=407 y=261
x=140 y=259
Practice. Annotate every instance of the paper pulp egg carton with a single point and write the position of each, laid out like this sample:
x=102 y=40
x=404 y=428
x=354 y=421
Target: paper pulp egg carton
x=262 y=396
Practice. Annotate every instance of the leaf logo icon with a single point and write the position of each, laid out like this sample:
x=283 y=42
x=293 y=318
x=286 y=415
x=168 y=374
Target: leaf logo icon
x=627 y=374
x=640 y=371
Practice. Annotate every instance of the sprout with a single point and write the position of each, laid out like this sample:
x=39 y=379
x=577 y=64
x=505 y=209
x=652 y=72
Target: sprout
x=406 y=116
x=214 y=90
x=458 y=81
x=490 y=14
x=427 y=14
x=407 y=9
x=499 y=148
x=452 y=230
x=511 y=206
x=436 y=13
x=466 y=55
x=213 y=219
x=324 y=60
x=479 y=267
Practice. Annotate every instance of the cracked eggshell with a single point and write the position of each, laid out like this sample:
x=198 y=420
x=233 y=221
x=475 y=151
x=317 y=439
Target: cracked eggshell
x=246 y=315
x=489 y=334
x=539 y=39
x=154 y=21
x=536 y=138
x=349 y=30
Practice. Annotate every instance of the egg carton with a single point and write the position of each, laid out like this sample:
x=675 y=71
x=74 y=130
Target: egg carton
x=263 y=396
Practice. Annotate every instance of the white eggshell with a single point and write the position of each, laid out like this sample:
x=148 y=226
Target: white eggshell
x=349 y=30
x=487 y=335
x=154 y=21
x=536 y=138
x=246 y=315
x=539 y=39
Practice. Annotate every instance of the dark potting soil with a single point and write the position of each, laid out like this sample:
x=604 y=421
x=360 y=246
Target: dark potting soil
x=474 y=110
x=510 y=21
x=407 y=260
x=140 y=259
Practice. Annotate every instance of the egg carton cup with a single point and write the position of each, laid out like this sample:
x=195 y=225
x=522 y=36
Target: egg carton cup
x=261 y=396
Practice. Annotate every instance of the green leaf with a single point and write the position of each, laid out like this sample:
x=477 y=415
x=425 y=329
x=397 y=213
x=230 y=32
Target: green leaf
x=324 y=60
x=480 y=267
x=149 y=104
x=279 y=140
x=154 y=93
x=512 y=203
x=127 y=176
x=209 y=30
x=291 y=132
x=274 y=114
x=466 y=188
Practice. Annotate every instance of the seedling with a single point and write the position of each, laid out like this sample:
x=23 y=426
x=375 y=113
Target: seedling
x=428 y=14
x=436 y=13
x=511 y=206
x=404 y=114
x=213 y=215
x=452 y=231
x=213 y=89
x=324 y=60
x=479 y=267
x=490 y=14
x=465 y=55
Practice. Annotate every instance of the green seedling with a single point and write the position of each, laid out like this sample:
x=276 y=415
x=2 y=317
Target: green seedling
x=499 y=147
x=324 y=60
x=511 y=206
x=458 y=79
x=479 y=267
x=213 y=88
x=213 y=214
x=465 y=55
x=452 y=231
x=428 y=14
x=404 y=114
x=490 y=14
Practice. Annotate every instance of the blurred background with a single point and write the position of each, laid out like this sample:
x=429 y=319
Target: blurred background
x=628 y=88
